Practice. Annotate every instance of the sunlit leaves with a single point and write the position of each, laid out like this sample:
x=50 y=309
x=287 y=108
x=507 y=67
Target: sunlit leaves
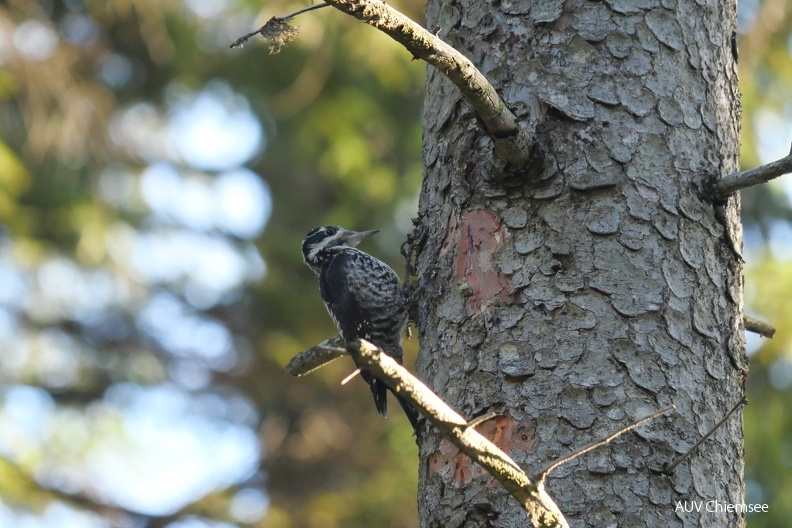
x=14 y=179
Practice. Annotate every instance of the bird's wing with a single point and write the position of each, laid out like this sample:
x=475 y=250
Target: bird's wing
x=361 y=293
x=341 y=301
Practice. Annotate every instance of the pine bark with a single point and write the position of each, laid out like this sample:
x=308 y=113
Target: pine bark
x=599 y=285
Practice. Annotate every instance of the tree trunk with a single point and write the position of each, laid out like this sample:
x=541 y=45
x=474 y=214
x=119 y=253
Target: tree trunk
x=599 y=286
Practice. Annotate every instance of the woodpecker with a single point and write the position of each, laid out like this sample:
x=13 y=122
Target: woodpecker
x=363 y=296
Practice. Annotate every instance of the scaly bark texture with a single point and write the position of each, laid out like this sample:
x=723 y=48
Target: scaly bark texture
x=606 y=291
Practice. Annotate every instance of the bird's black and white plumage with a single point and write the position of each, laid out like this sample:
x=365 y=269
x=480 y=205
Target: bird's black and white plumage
x=364 y=297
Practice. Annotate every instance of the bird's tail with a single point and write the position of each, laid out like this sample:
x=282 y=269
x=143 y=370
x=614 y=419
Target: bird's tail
x=409 y=410
x=380 y=392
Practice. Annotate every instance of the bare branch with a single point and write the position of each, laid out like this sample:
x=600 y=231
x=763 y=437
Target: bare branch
x=513 y=143
x=316 y=356
x=742 y=180
x=568 y=458
x=675 y=463
x=531 y=493
x=758 y=327
x=541 y=509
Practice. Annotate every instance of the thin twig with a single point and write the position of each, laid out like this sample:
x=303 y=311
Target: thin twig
x=350 y=377
x=675 y=463
x=481 y=419
x=568 y=458
x=264 y=30
x=316 y=356
x=741 y=180
x=540 y=507
x=758 y=327
x=305 y=10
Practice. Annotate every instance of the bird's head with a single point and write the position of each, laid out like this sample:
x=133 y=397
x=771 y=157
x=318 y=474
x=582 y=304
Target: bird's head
x=321 y=243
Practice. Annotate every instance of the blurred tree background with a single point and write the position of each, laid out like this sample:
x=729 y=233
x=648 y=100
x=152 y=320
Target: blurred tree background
x=155 y=186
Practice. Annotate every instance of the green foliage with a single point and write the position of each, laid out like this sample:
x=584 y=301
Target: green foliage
x=767 y=419
x=122 y=291
x=765 y=67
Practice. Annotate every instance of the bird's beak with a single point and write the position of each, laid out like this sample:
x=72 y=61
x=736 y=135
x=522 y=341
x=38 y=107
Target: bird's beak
x=353 y=238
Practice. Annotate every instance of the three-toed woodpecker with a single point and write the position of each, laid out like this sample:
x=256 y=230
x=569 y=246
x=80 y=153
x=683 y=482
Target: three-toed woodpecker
x=363 y=296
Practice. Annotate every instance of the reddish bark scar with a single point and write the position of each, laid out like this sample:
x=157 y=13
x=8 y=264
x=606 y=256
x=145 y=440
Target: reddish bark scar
x=480 y=237
x=509 y=435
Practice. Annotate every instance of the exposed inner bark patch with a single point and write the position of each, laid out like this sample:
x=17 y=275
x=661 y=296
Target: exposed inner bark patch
x=504 y=431
x=480 y=237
